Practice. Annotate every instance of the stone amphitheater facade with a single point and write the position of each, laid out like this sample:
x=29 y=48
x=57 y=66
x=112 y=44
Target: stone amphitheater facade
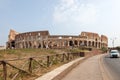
x=42 y=39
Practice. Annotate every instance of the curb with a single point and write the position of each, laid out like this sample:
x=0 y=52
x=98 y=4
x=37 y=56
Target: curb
x=104 y=72
x=61 y=71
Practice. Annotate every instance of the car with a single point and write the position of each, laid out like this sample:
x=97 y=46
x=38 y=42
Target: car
x=114 y=54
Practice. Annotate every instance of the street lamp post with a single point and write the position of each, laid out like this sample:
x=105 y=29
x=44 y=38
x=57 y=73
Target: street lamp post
x=113 y=41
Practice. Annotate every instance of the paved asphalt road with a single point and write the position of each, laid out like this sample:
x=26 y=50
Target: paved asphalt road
x=112 y=66
x=90 y=69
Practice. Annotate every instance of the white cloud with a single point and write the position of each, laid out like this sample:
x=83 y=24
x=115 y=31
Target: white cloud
x=101 y=16
x=72 y=11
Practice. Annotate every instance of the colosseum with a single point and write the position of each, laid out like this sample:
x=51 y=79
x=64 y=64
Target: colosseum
x=43 y=39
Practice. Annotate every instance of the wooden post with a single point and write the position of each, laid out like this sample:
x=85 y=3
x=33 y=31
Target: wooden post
x=30 y=65
x=56 y=59
x=4 y=70
x=48 y=61
x=75 y=55
x=82 y=54
x=68 y=56
x=72 y=56
x=63 y=57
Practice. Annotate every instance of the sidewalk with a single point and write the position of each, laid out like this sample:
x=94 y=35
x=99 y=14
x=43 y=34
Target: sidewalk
x=88 y=70
x=59 y=72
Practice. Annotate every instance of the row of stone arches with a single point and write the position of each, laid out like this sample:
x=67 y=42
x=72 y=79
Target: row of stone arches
x=65 y=43
x=31 y=44
x=58 y=44
x=74 y=43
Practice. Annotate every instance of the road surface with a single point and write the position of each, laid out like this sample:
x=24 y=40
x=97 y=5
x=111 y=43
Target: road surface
x=90 y=69
x=112 y=66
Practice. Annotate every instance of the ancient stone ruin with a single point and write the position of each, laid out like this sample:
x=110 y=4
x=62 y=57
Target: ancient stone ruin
x=42 y=39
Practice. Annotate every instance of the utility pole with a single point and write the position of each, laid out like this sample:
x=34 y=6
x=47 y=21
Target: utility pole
x=113 y=41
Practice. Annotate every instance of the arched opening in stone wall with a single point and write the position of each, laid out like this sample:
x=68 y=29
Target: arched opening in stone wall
x=26 y=45
x=30 y=44
x=93 y=44
x=71 y=43
x=89 y=43
x=39 y=45
x=99 y=45
x=75 y=42
x=13 y=44
x=80 y=43
x=85 y=43
x=96 y=44
x=96 y=39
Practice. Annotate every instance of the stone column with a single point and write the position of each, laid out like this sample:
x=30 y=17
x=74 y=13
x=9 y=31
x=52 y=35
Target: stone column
x=41 y=41
x=87 y=43
x=78 y=43
x=68 y=43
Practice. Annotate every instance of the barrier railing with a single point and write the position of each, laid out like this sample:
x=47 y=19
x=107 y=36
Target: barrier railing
x=32 y=66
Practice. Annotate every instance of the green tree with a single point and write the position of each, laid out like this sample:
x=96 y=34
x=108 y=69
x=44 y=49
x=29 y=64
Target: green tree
x=104 y=49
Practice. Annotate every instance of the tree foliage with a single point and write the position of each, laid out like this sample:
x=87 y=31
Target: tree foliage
x=104 y=49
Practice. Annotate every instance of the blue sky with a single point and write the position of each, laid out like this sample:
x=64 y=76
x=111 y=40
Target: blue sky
x=69 y=17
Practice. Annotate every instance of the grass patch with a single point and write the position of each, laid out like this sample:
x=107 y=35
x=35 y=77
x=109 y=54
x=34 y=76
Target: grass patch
x=75 y=50
x=20 y=53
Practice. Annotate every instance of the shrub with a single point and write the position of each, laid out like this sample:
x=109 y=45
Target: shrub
x=104 y=49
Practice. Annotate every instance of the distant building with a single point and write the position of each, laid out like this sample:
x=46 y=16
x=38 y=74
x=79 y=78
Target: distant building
x=42 y=39
x=2 y=47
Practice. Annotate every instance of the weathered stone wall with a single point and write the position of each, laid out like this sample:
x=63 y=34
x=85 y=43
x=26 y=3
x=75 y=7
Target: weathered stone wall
x=95 y=40
x=42 y=39
x=31 y=39
x=104 y=41
x=11 y=39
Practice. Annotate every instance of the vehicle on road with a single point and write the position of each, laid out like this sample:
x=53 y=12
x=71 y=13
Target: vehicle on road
x=114 y=54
